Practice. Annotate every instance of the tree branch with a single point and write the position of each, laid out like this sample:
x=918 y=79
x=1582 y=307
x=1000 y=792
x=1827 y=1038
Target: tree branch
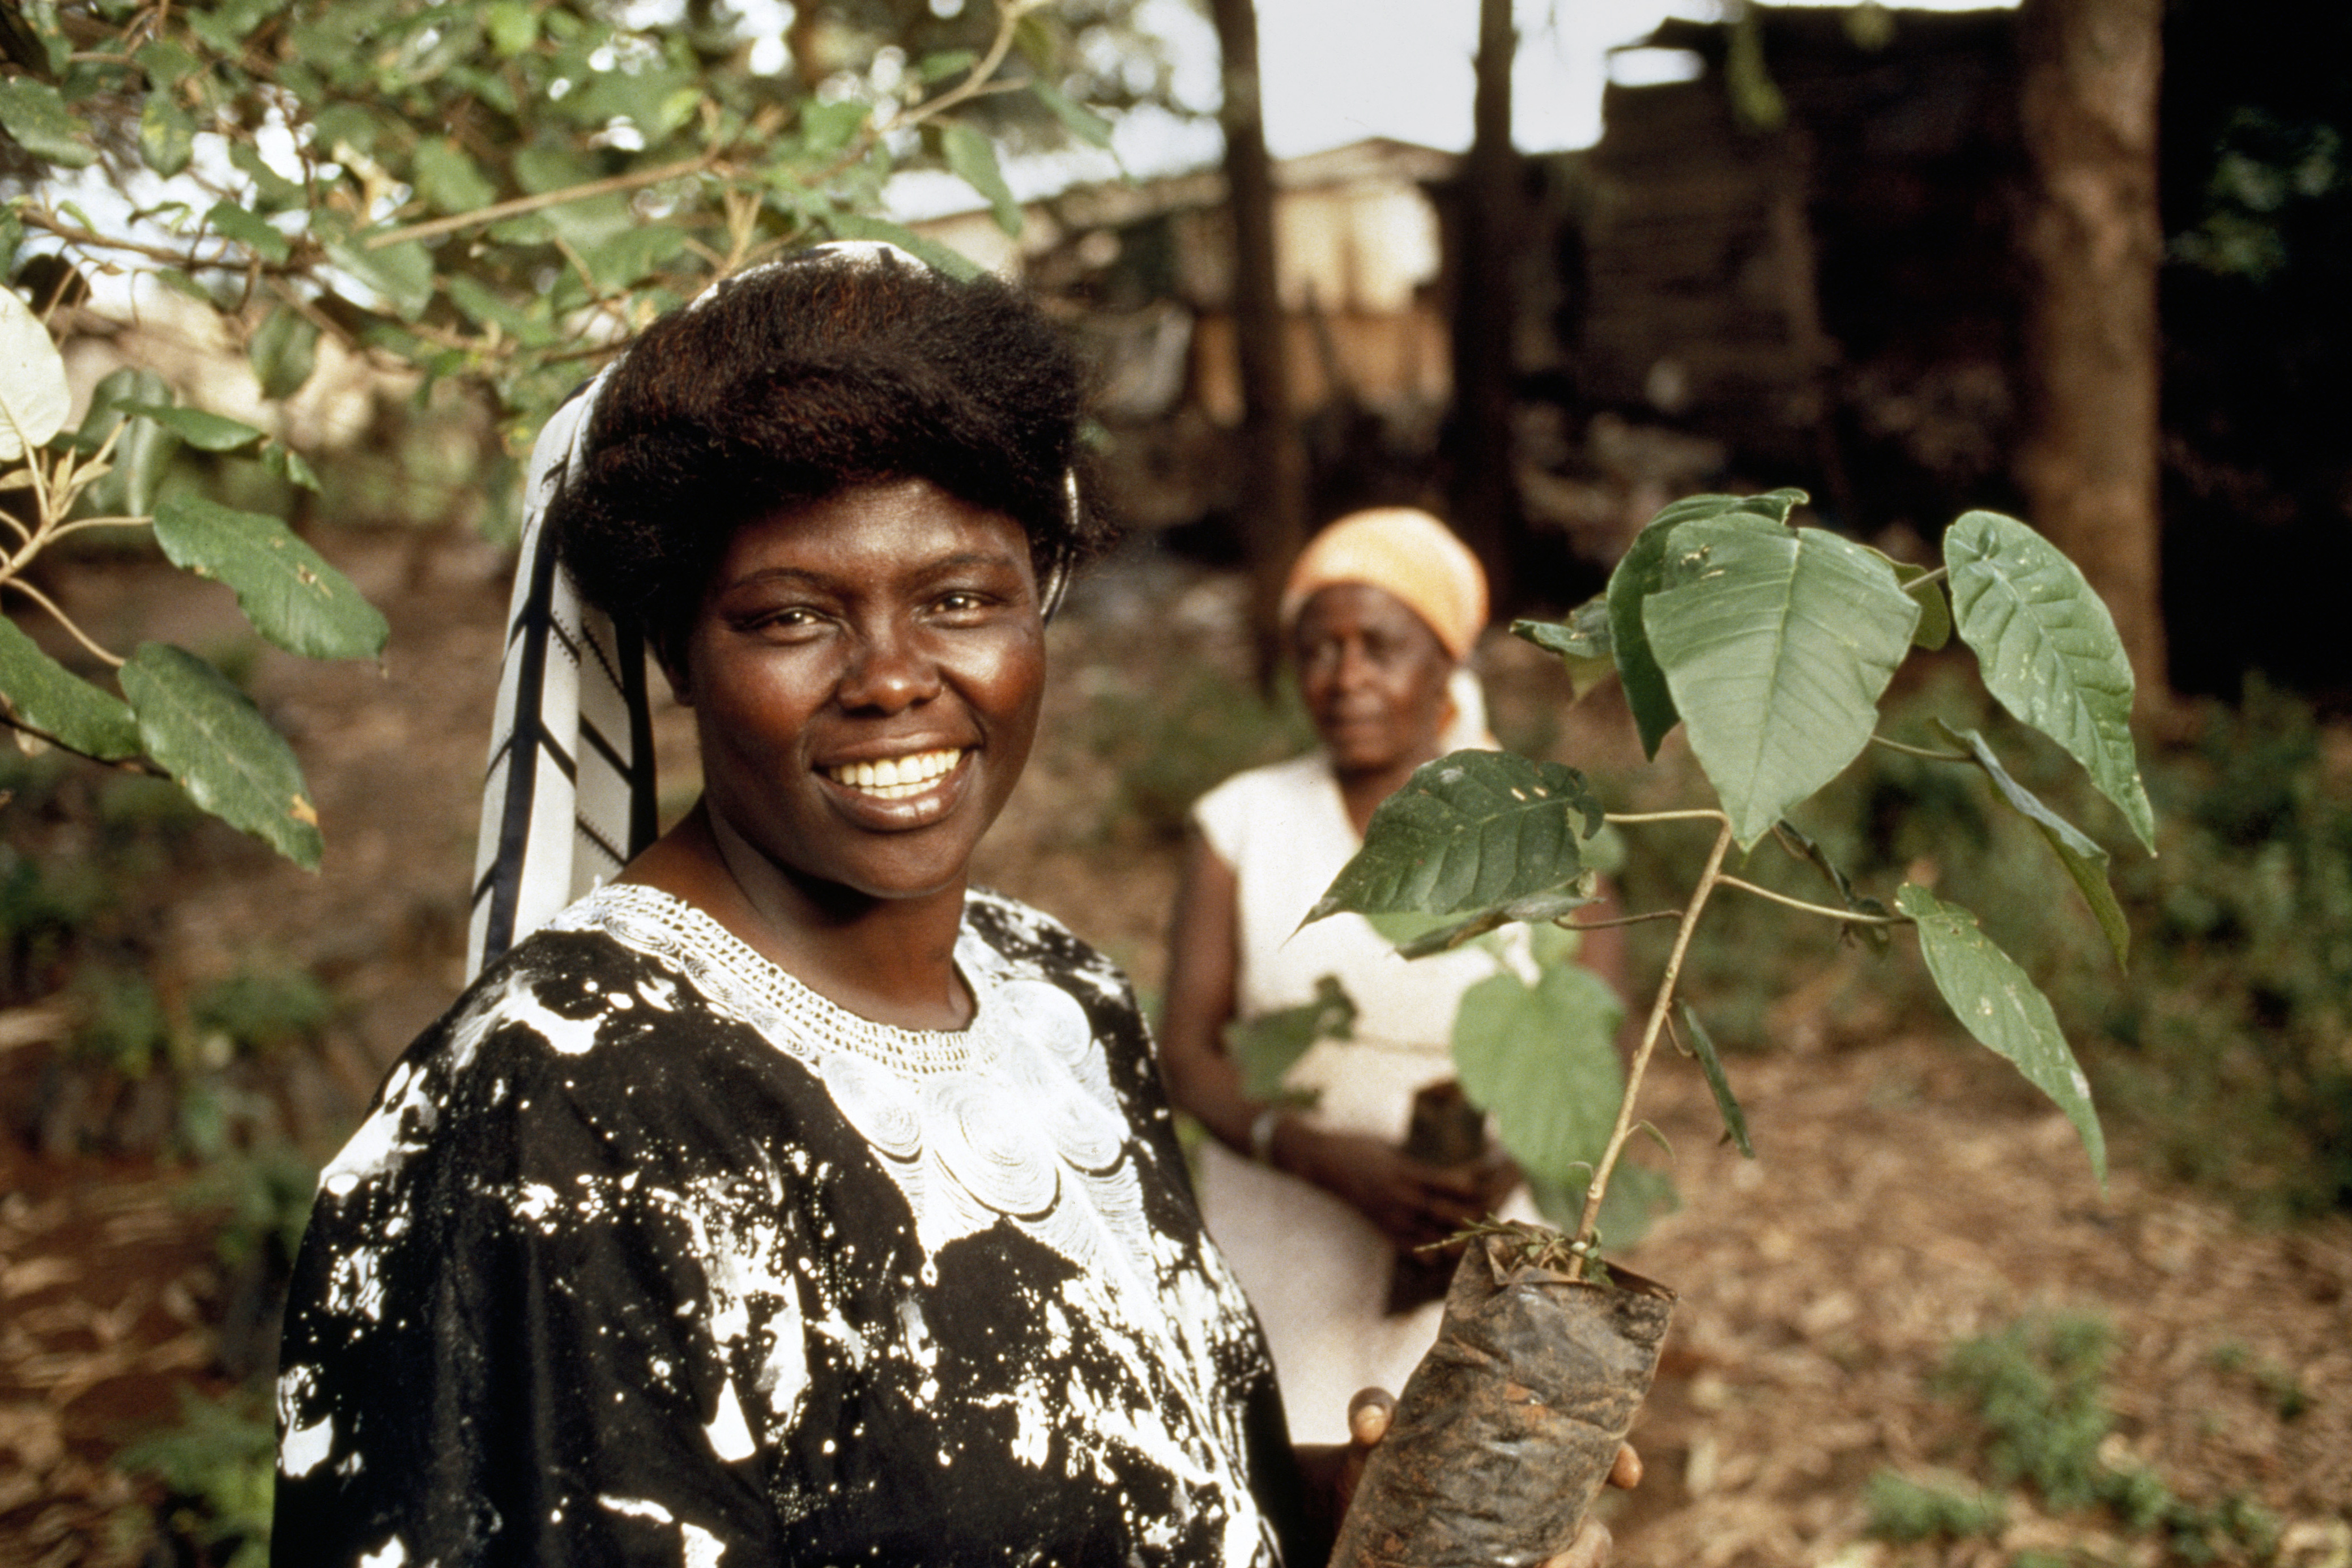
x=518 y=205
x=62 y=619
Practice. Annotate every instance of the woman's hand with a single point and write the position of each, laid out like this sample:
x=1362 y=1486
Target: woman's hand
x=1368 y=1414
x=1411 y=1203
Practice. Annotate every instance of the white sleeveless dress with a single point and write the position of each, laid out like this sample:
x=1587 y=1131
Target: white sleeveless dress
x=1315 y=1269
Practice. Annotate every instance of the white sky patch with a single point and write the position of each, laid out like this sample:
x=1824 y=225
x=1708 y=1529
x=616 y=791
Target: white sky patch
x=393 y=1553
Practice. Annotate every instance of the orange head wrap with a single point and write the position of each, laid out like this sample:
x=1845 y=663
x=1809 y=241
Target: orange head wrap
x=1405 y=552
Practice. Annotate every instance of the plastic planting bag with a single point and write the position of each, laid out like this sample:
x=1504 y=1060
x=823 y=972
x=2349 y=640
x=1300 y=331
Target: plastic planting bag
x=1506 y=1431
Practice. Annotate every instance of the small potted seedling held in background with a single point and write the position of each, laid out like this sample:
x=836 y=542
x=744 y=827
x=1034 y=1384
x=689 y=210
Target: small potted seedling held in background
x=1771 y=646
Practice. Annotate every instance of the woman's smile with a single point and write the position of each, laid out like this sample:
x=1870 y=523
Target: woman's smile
x=896 y=778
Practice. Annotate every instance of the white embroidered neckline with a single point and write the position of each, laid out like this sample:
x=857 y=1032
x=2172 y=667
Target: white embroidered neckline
x=736 y=977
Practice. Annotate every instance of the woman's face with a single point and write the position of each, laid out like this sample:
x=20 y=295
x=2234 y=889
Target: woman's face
x=865 y=673
x=1373 y=676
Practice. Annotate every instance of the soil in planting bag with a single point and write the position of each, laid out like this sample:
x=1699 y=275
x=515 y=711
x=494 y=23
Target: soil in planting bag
x=1447 y=1130
x=1506 y=1431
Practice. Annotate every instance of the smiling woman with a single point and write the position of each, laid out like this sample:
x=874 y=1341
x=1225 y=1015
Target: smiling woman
x=780 y=1198
x=783 y=1199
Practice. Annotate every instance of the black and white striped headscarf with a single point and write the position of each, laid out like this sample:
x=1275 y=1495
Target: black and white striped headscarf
x=570 y=795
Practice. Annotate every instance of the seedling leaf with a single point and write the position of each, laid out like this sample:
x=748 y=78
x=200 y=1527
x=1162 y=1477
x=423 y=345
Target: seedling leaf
x=1582 y=642
x=47 y=696
x=1543 y=1059
x=1471 y=831
x=1996 y=1002
x=1777 y=645
x=1535 y=909
x=2049 y=650
x=1710 y=1063
x=1640 y=572
x=2082 y=856
x=212 y=740
x=284 y=588
x=1267 y=1046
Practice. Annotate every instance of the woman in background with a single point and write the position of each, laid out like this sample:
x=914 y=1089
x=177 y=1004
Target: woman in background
x=1313 y=1206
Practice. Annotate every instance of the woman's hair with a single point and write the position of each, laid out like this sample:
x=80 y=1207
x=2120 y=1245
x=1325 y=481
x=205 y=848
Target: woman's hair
x=787 y=385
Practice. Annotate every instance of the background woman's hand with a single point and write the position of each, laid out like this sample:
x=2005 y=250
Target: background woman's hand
x=1411 y=1202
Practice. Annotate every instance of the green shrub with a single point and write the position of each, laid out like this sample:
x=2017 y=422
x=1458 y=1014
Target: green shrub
x=2036 y=1391
x=1170 y=747
x=219 y=1466
x=1905 y=1510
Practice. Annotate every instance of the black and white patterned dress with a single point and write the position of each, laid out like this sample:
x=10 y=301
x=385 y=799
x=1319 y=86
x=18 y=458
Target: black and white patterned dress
x=648 y=1254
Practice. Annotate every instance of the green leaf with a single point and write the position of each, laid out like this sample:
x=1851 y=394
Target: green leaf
x=284 y=588
x=632 y=254
x=448 y=179
x=1268 y=1046
x=2049 y=652
x=211 y=738
x=34 y=114
x=1935 y=628
x=1583 y=642
x=1077 y=119
x=401 y=275
x=289 y=465
x=1641 y=572
x=142 y=453
x=513 y=27
x=47 y=697
x=1536 y=909
x=2085 y=861
x=1543 y=1060
x=34 y=398
x=827 y=126
x=339 y=127
x=1469 y=831
x=947 y=63
x=1710 y=1063
x=167 y=137
x=972 y=157
x=249 y=229
x=284 y=351
x=1776 y=646
x=271 y=189
x=929 y=252
x=205 y=432
x=165 y=63
x=1996 y=1002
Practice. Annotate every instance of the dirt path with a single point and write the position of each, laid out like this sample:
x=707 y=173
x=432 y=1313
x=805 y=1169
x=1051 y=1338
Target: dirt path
x=1908 y=1194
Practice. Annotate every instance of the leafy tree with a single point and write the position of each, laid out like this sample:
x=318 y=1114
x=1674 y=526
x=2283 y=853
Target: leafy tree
x=497 y=194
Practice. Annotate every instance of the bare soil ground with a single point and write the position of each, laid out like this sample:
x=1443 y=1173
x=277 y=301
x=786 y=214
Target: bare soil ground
x=1908 y=1193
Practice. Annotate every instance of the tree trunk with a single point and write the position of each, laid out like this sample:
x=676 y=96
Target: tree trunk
x=1484 y=490
x=1274 y=504
x=2094 y=242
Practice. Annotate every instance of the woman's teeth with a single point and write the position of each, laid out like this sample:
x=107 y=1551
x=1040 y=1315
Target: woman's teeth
x=895 y=778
